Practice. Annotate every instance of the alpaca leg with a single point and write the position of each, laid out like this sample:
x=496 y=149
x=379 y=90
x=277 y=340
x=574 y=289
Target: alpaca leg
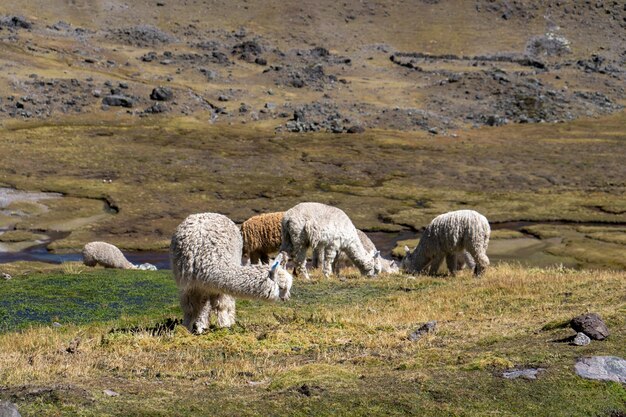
x=196 y=309
x=469 y=261
x=300 y=261
x=451 y=263
x=337 y=265
x=224 y=306
x=329 y=258
x=264 y=258
x=435 y=263
x=254 y=258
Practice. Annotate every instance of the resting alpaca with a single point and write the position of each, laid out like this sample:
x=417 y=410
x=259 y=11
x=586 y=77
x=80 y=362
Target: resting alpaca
x=261 y=236
x=206 y=261
x=327 y=229
x=448 y=236
x=387 y=266
x=105 y=254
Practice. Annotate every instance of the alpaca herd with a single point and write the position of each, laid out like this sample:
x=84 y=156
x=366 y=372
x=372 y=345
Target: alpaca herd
x=207 y=249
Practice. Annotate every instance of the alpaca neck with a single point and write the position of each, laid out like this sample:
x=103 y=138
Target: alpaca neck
x=418 y=259
x=359 y=257
x=249 y=281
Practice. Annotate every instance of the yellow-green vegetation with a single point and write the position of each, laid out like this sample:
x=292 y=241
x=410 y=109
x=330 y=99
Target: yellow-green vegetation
x=338 y=347
x=20 y=236
x=162 y=171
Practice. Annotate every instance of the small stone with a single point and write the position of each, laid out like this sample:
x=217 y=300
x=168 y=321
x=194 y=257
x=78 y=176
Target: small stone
x=8 y=409
x=603 y=368
x=56 y=324
x=147 y=267
x=433 y=130
x=590 y=324
x=529 y=373
x=223 y=97
x=356 y=129
x=260 y=61
x=270 y=106
x=73 y=346
x=581 y=339
x=422 y=330
x=123 y=85
x=6 y=276
x=96 y=93
x=110 y=393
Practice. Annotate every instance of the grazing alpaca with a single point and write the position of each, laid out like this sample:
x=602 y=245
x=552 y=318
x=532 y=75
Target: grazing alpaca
x=387 y=266
x=448 y=236
x=206 y=261
x=261 y=236
x=105 y=254
x=327 y=229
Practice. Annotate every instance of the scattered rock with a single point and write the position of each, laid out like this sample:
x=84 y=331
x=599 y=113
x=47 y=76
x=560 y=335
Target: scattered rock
x=6 y=276
x=428 y=327
x=529 y=373
x=260 y=61
x=581 y=339
x=223 y=97
x=110 y=393
x=603 y=368
x=162 y=94
x=147 y=267
x=590 y=324
x=142 y=35
x=549 y=44
x=118 y=100
x=73 y=346
x=8 y=409
x=56 y=324
x=356 y=129
x=156 y=108
x=17 y=22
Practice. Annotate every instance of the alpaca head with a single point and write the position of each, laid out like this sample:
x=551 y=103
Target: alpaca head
x=376 y=264
x=389 y=267
x=280 y=275
x=405 y=263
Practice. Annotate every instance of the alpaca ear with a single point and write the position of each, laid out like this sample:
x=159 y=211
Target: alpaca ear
x=275 y=264
x=407 y=251
x=285 y=259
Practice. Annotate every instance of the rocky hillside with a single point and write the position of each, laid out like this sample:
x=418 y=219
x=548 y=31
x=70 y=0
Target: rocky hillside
x=340 y=66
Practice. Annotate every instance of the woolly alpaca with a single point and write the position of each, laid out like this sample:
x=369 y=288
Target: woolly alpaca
x=326 y=229
x=261 y=236
x=387 y=266
x=206 y=261
x=448 y=236
x=105 y=254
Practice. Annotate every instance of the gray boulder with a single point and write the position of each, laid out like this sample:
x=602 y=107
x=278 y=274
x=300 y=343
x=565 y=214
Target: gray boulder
x=8 y=409
x=118 y=100
x=603 y=368
x=162 y=94
x=590 y=324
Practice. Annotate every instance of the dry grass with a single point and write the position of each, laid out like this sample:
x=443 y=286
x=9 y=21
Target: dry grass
x=334 y=335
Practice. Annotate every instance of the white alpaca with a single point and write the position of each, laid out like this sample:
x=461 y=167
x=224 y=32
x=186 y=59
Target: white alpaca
x=327 y=229
x=105 y=254
x=449 y=236
x=206 y=261
x=387 y=266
